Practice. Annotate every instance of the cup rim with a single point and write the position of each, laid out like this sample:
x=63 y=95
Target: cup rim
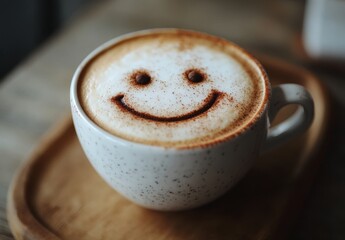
x=74 y=96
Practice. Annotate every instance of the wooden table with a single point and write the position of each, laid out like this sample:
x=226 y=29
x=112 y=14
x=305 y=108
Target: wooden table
x=35 y=95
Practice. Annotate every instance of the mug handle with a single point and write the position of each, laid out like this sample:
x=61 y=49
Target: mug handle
x=300 y=121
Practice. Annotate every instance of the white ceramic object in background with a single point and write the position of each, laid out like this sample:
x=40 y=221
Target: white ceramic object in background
x=171 y=179
x=324 y=29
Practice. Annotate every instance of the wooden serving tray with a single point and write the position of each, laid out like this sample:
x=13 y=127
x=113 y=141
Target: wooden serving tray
x=57 y=194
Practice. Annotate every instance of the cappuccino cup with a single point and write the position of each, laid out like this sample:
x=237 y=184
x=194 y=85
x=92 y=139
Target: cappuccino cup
x=172 y=119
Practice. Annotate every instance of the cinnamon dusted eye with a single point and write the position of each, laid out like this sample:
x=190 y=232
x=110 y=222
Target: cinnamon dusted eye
x=141 y=78
x=195 y=75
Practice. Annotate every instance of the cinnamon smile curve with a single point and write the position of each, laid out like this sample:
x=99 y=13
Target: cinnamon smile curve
x=208 y=103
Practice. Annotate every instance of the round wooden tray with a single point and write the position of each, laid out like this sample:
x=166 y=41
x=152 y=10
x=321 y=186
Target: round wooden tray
x=57 y=194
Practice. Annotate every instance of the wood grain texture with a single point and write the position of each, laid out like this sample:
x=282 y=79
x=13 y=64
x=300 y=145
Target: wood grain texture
x=58 y=195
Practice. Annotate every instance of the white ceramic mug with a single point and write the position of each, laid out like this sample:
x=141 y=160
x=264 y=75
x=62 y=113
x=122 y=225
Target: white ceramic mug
x=171 y=179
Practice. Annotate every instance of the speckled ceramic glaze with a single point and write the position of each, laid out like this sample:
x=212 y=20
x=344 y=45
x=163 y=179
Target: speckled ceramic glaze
x=171 y=179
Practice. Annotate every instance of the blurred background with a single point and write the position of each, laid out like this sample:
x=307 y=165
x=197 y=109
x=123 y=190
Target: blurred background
x=42 y=42
x=25 y=24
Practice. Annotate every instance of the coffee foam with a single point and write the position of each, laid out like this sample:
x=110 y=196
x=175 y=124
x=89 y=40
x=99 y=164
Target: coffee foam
x=170 y=110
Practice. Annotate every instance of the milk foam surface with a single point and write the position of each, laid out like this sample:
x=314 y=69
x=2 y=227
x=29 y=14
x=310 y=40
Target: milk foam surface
x=166 y=57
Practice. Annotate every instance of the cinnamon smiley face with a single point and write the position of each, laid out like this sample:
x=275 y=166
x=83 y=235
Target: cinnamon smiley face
x=143 y=78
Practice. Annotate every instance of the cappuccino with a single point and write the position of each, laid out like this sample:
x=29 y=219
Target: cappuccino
x=173 y=88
